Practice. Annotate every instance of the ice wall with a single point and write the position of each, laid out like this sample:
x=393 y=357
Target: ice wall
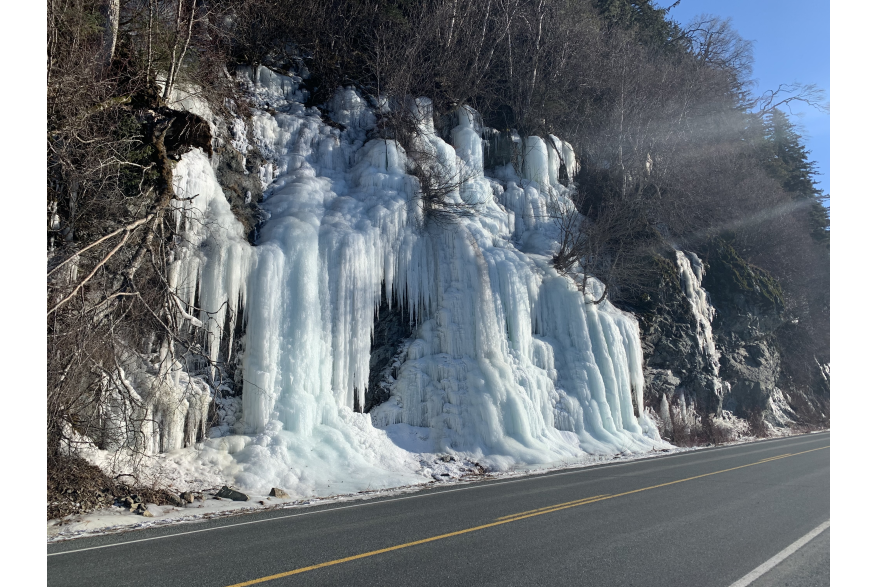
x=509 y=363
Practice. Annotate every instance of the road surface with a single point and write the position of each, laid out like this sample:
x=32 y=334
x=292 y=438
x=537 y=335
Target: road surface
x=711 y=517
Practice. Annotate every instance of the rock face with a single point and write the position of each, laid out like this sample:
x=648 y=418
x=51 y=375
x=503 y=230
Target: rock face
x=748 y=311
x=673 y=357
x=240 y=180
x=753 y=368
x=392 y=329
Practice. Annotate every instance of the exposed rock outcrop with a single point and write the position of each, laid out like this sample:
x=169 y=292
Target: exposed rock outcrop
x=239 y=175
x=674 y=360
x=392 y=328
x=748 y=309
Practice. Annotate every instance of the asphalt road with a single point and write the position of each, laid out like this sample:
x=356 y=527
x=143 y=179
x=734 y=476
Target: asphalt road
x=705 y=518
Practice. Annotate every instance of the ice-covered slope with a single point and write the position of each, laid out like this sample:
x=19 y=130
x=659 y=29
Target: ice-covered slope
x=509 y=363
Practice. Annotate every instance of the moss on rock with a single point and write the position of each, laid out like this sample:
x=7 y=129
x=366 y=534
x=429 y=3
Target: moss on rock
x=732 y=280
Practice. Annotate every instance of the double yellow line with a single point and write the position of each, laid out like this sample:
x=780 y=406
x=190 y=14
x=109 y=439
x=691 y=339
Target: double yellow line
x=774 y=458
x=508 y=519
x=553 y=508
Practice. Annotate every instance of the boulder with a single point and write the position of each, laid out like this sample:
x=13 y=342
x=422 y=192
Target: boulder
x=275 y=492
x=232 y=494
x=176 y=500
x=188 y=497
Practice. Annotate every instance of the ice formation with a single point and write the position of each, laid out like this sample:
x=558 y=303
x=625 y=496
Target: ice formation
x=165 y=401
x=691 y=272
x=509 y=363
x=170 y=406
x=212 y=258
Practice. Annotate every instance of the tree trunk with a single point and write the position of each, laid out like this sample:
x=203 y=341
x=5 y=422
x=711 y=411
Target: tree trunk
x=111 y=32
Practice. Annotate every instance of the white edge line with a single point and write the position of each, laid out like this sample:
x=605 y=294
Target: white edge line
x=780 y=557
x=380 y=501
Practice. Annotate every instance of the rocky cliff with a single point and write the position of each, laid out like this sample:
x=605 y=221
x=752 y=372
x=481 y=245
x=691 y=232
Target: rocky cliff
x=743 y=377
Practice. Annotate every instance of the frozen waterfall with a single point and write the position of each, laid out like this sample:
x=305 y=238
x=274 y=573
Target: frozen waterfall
x=691 y=272
x=508 y=363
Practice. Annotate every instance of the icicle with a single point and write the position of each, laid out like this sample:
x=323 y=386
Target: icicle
x=213 y=257
x=664 y=411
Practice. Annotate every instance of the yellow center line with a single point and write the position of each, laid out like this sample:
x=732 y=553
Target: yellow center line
x=551 y=507
x=774 y=458
x=508 y=519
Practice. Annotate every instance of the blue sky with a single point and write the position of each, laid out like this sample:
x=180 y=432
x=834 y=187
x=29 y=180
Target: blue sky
x=791 y=44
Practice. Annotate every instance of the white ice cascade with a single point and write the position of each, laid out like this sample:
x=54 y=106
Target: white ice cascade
x=691 y=272
x=207 y=273
x=508 y=360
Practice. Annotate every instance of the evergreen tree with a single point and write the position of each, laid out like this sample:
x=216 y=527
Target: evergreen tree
x=788 y=161
x=650 y=21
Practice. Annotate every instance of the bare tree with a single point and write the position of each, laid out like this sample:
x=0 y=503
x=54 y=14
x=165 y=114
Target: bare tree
x=614 y=246
x=785 y=95
x=111 y=31
x=715 y=43
x=185 y=20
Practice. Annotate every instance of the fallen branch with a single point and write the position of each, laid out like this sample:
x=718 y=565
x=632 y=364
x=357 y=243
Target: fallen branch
x=90 y=275
x=128 y=228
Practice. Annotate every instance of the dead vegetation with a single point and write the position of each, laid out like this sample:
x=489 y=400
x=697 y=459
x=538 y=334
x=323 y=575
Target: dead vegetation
x=113 y=138
x=75 y=486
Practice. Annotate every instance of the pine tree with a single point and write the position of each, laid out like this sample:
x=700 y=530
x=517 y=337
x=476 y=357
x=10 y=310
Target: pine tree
x=651 y=22
x=787 y=160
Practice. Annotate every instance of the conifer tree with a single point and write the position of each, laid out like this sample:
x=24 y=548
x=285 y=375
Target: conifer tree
x=788 y=161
